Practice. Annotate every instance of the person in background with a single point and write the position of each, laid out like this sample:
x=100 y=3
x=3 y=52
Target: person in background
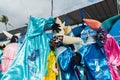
x=1 y=53
x=9 y=53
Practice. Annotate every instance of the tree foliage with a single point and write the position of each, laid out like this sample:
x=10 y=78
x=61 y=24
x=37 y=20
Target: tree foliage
x=4 y=19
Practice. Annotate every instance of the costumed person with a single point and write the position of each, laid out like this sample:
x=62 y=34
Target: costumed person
x=65 y=55
x=51 y=67
x=112 y=26
x=111 y=49
x=10 y=51
x=1 y=53
x=31 y=59
x=65 y=38
x=94 y=58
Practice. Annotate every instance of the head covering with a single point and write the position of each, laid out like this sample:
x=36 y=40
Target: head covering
x=108 y=24
x=93 y=24
x=101 y=32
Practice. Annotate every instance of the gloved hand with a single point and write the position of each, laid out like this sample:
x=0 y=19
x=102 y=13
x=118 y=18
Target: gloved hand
x=77 y=59
x=72 y=47
x=55 y=42
x=55 y=27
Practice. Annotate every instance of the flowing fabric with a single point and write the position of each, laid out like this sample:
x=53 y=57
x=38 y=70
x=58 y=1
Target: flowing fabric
x=0 y=59
x=51 y=75
x=95 y=62
x=9 y=54
x=113 y=56
x=0 y=63
x=65 y=65
x=30 y=61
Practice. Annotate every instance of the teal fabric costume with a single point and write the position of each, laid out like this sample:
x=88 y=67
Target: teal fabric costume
x=30 y=62
x=0 y=64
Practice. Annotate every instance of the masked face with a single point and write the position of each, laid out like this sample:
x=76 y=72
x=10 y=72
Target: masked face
x=101 y=36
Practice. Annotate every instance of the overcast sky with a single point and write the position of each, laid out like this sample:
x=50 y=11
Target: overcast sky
x=18 y=11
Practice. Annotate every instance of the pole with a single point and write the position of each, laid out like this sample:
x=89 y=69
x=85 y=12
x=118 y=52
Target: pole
x=51 y=7
x=118 y=6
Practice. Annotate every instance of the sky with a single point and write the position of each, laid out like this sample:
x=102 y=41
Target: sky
x=18 y=11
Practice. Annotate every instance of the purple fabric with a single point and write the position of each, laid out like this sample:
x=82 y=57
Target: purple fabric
x=101 y=35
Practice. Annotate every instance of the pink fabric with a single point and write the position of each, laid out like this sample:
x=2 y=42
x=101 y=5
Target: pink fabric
x=113 y=56
x=0 y=67
x=9 y=55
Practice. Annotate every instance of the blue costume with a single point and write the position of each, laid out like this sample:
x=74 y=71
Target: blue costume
x=95 y=62
x=66 y=67
x=30 y=62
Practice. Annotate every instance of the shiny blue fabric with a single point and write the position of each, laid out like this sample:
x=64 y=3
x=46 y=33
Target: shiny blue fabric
x=115 y=31
x=86 y=32
x=0 y=63
x=77 y=30
x=30 y=62
x=0 y=52
x=66 y=67
x=81 y=70
x=95 y=63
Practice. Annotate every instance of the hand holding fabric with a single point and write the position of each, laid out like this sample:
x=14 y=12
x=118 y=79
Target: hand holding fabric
x=77 y=59
x=56 y=27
